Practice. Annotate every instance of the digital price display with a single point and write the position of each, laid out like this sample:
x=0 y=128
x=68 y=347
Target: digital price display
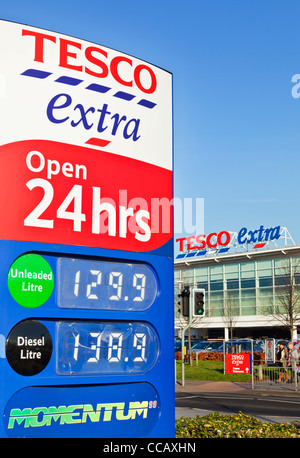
x=82 y=347
x=105 y=348
x=105 y=285
x=86 y=272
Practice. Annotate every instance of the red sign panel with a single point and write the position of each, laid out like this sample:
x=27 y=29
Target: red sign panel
x=238 y=364
x=59 y=192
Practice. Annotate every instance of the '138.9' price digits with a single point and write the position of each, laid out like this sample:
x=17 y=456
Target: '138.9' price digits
x=105 y=347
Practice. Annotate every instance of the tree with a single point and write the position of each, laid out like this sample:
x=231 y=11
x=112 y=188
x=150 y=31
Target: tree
x=230 y=314
x=287 y=294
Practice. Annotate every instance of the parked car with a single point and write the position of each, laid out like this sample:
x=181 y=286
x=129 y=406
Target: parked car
x=297 y=346
x=200 y=346
x=209 y=345
x=186 y=343
x=261 y=343
x=242 y=345
x=177 y=345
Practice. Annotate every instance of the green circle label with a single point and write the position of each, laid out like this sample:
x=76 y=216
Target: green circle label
x=30 y=280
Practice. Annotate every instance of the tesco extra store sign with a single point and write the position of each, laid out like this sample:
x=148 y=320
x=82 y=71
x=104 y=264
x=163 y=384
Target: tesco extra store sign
x=259 y=237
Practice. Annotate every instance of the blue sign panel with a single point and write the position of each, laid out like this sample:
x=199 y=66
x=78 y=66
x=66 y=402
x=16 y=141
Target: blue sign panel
x=53 y=356
x=100 y=411
x=86 y=272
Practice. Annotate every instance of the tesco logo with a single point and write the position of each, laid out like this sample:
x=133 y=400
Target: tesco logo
x=94 y=61
x=259 y=237
x=211 y=241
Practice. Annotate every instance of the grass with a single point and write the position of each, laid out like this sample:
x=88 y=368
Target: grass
x=209 y=370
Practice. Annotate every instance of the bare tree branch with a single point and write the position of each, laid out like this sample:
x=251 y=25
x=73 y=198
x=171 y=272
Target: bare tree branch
x=287 y=294
x=231 y=311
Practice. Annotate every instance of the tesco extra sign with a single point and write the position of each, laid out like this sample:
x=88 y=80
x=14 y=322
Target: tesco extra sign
x=219 y=239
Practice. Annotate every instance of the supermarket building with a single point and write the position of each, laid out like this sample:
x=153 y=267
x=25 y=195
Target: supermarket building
x=241 y=272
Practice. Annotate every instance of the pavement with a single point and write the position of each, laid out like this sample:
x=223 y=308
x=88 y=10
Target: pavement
x=201 y=386
x=195 y=387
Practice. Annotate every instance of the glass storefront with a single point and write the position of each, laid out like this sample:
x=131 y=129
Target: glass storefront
x=251 y=287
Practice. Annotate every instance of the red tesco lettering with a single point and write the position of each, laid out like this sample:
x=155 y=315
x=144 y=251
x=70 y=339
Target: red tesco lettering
x=211 y=241
x=70 y=56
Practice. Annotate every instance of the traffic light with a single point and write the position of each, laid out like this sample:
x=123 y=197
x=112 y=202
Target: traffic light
x=184 y=303
x=179 y=305
x=199 y=302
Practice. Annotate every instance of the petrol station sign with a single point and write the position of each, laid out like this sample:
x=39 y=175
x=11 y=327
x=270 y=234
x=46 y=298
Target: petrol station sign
x=86 y=311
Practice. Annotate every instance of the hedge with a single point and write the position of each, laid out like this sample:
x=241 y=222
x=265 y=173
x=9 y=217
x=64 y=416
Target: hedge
x=259 y=358
x=216 y=425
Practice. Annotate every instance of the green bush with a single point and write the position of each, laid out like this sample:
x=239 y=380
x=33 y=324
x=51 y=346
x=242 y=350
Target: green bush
x=216 y=425
x=259 y=358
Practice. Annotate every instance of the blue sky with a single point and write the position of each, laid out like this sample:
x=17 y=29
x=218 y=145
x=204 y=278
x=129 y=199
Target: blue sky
x=236 y=124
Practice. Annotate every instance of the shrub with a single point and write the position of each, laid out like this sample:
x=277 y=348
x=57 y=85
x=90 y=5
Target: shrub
x=259 y=358
x=216 y=425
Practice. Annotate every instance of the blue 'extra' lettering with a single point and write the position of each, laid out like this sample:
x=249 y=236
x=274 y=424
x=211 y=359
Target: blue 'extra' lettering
x=259 y=235
x=241 y=234
x=89 y=117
